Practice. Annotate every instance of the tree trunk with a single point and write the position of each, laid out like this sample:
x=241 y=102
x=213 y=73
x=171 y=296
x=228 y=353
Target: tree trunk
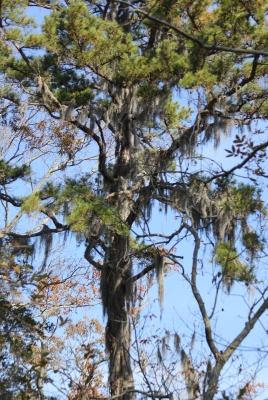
x=118 y=331
x=115 y=282
x=213 y=381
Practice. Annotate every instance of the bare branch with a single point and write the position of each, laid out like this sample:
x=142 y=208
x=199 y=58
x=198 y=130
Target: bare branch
x=240 y=165
x=197 y=295
x=244 y=333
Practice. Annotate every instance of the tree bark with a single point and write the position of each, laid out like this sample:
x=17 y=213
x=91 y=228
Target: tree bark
x=115 y=282
x=213 y=381
x=118 y=329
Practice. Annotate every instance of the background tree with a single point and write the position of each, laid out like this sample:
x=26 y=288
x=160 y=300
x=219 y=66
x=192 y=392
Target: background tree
x=74 y=347
x=29 y=322
x=107 y=73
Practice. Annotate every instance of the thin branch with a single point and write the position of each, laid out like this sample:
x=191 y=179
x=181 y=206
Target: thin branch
x=37 y=4
x=240 y=165
x=216 y=298
x=248 y=327
x=102 y=149
x=197 y=295
x=57 y=224
x=170 y=237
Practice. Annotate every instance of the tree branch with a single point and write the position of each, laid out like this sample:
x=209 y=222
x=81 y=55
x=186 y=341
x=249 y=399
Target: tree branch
x=248 y=327
x=91 y=260
x=142 y=273
x=153 y=395
x=197 y=295
x=102 y=150
x=239 y=166
x=9 y=199
x=194 y=39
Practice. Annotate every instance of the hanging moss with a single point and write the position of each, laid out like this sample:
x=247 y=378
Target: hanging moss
x=46 y=242
x=159 y=269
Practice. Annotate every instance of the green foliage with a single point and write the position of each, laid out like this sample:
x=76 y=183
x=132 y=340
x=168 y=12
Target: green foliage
x=74 y=33
x=75 y=187
x=49 y=191
x=147 y=91
x=31 y=203
x=15 y=13
x=5 y=51
x=174 y=114
x=244 y=199
x=16 y=24
x=222 y=184
x=143 y=251
x=9 y=174
x=86 y=205
x=7 y=92
x=100 y=41
x=18 y=333
x=152 y=66
x=65 y=83
x=226 y=256
x=202 y=77
x=252 y=242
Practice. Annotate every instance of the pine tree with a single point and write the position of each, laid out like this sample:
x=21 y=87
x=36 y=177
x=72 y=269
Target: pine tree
x=107 y=73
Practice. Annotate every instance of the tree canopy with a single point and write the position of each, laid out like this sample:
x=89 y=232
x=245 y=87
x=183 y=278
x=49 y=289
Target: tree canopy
x=110 y=114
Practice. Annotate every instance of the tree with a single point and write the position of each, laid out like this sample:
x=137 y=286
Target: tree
x=28 y=331
x=73 y=349
x=107 y=73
